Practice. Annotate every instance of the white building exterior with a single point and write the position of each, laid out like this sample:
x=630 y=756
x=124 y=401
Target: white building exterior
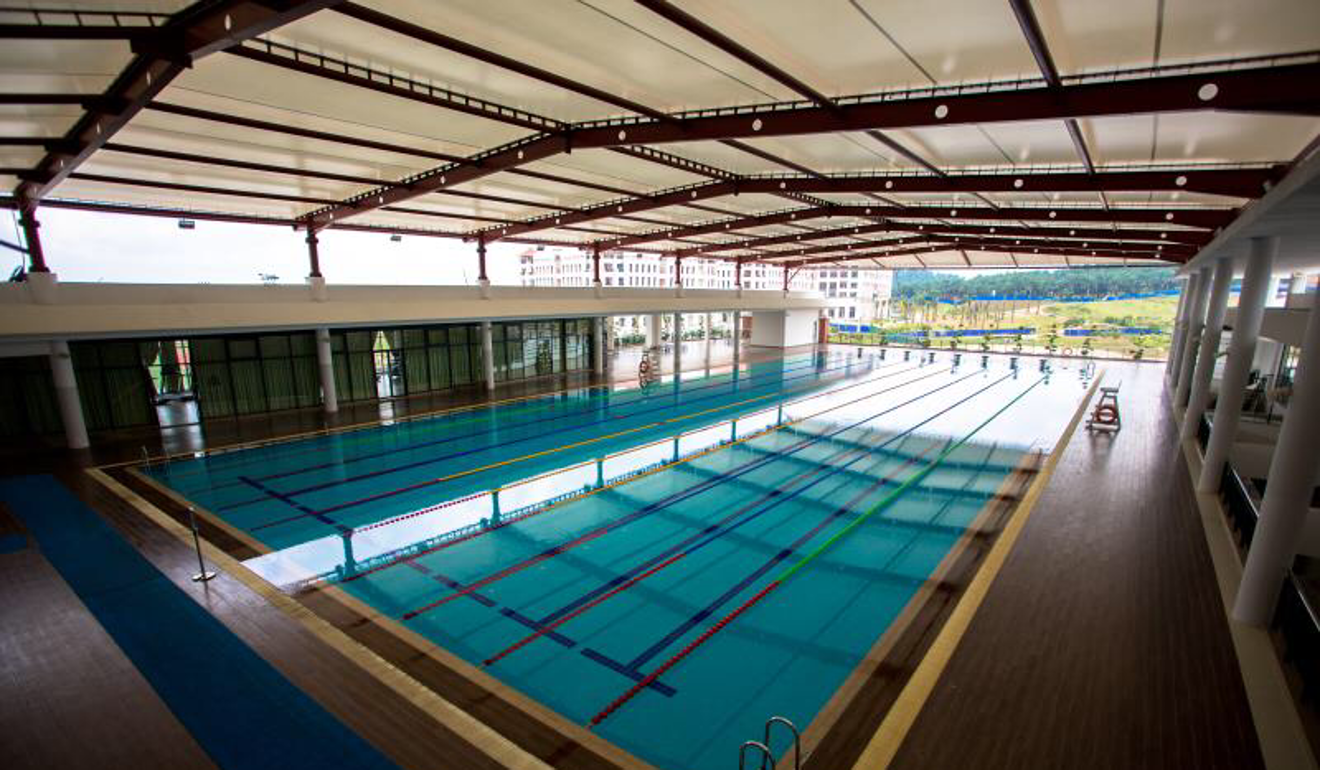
x=852 y=293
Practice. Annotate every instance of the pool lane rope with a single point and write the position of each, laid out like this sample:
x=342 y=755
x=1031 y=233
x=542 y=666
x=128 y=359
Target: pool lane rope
x=789 y=573
x=704 y=537
x=578 y=410
x=502 y=463
x=689 y=458
x=685 y=548
x=230 y=449
x=753 y=465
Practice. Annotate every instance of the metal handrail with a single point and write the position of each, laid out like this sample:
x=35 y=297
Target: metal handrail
x=797 y=740
x=742 y=754
x=1311 y=610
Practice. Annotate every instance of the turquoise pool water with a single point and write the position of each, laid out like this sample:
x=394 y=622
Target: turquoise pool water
x=668 y=566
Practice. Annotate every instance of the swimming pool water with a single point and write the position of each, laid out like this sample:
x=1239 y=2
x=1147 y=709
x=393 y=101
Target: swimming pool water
x=669 y=567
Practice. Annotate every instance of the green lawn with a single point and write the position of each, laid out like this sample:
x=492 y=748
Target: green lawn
x=1046 y=319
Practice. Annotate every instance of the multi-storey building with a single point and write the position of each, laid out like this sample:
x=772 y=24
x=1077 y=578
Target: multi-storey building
x=854 y=292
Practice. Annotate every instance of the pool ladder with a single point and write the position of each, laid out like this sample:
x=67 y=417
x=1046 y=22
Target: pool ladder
x=763 y=746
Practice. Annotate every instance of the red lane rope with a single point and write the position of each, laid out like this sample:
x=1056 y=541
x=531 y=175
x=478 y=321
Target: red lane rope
x=547 y=628
x=680 y=655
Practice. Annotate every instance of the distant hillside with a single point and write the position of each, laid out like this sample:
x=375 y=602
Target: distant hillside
x=1078 y=282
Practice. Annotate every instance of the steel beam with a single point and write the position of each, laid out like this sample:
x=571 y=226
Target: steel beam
x=253 y=219
x=27 y=220
x=957 y=242
x=1173 y=239
x=1274 y=84
x=1277 y=83
x=1235 y=182
x=384 y=82
x=796 y=237
x=1197 y=217
x=282 y=128
x=196 y=31
x=1038 y=246
x=917 y=251
x=78 y=24
x=1186 y=238
x=432 y=37
x=837 y=248
x=1241 y=182
x=82 y=100
x=72 y=32
x=193 y=188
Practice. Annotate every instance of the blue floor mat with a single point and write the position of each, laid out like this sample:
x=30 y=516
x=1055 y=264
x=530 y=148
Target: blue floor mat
x=242 y=711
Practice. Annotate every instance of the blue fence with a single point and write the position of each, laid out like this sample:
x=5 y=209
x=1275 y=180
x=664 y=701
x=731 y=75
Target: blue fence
x=866 y=329
x=1133 y=330
x=1031 y=298
x=923 y=333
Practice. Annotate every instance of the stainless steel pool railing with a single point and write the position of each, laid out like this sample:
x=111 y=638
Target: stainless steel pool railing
x=797 y=739
x=763 y=746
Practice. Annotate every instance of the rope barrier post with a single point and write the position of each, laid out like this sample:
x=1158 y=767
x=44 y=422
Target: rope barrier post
x=203 y=574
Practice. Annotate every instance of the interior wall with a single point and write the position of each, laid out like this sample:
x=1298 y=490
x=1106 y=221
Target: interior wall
x=784 y=328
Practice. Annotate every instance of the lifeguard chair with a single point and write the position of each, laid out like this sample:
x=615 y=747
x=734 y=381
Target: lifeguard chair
x=1105 y=416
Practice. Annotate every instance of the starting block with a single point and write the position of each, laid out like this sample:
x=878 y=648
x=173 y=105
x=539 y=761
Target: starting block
x=1105 y=416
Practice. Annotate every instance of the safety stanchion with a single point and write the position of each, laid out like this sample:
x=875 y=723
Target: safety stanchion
x=203 y=574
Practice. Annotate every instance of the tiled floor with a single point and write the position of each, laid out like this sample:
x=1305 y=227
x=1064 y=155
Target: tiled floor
x=71 y=697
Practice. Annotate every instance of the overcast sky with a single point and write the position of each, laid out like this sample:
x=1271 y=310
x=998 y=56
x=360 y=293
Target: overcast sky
x=87 y=246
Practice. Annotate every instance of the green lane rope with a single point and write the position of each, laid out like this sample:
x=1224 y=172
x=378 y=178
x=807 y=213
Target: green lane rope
x=888 y=499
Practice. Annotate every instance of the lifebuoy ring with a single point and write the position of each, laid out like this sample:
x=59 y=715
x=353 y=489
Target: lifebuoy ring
x=1105 y=414
x=1067 y=351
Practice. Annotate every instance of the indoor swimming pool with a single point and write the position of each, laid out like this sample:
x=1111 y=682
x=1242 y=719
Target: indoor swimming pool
x=665 y=566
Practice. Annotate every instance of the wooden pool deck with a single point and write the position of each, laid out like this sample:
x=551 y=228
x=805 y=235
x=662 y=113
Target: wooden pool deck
x=1103 y=641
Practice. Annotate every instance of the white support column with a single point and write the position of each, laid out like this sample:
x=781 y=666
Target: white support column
x=1199 y=395
x=736 y=317
x=42 y=287
x=488 y=355
x=1288 y=494
x=653 y=330
x=1179 y=341
x=1179 y=324
x=1241 y=352
x=325 y=362
x=598 y=346
x=1191 y=339
x=66 y=393
x=678 y=344
x=709 y=327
